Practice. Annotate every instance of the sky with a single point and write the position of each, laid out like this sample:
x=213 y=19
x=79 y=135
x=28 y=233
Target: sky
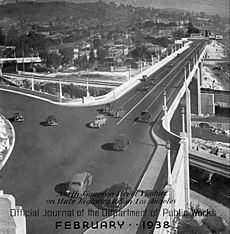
x=220 y=7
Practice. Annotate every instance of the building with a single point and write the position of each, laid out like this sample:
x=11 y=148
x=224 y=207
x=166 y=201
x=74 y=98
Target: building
x=10 y=222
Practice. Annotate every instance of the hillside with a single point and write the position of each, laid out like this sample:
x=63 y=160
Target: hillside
x=31 y=11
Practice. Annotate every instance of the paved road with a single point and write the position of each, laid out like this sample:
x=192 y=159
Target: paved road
x=45 y=158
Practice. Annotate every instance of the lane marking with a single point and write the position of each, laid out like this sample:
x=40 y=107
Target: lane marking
x=163 y=90
x=156 y=86
x=157 y=76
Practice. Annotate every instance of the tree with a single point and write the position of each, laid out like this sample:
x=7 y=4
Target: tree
x=91 y=56
x=178 y=34
x=12 y=36
x=2 y=37
x=67 y=54
x=191 y=29
x=101 y=53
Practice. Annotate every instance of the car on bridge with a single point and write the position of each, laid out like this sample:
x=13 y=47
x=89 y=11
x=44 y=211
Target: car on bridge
x=119 y=113
x=121 y=142
x=98 y=121
x=171 y=64
x=152 y=82
x=51 y=121
x=108 y=109
x=18 y=117
x=144 y=78
x=145 y=87
x=79 y=184
x=145 y=117
x=117 y=196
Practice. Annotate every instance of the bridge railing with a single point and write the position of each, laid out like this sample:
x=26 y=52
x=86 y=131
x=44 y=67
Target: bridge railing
x=178 y=174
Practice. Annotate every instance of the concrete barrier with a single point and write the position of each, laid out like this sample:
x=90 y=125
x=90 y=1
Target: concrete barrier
x=114 y=94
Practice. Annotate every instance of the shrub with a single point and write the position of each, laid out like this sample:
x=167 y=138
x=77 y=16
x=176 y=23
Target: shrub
x=214 y=223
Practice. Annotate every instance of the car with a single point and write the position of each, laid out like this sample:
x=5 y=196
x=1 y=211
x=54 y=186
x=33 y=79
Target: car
x=119 y=113
x=145 y=88
x=178 y=55
x=117 y=196
x=171 y=64
x=79 y=184
x=144 y=117
x=51 y=120
x=152 y=82
x=108 y=109
x=98 y=121
x=121 y=142
x=18 y=117
x=144 y=78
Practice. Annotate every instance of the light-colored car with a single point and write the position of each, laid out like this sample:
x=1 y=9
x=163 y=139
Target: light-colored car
x=98 y=121
x=79 y=184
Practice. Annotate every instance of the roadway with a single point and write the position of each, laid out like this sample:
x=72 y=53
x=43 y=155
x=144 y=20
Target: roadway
x=46 y=158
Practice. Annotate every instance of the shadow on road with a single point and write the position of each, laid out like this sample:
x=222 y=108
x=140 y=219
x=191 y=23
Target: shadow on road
x=11 y=119
x=44 y=123
x=61 y=188
x=108 y=147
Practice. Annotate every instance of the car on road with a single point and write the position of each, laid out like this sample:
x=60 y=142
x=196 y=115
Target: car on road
x=178 y=55
x=18 y=117
x=121 y=142
x=119 y=113
x=98 y=121
x=152 y=82
x=51 y=120
x=145 y=87
x=108 y=109
x=117 y=196
x=79 y=184
x=171 y=64
x=145 y=117
x=144 y=78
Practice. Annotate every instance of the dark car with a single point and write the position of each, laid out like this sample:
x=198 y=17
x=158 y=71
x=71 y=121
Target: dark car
x=51 y=120
x=18 y=117
x=145 y=88
x=144 y=78
x=117 y=196
x=152 y=82
x=121 y=142
x=144 y=117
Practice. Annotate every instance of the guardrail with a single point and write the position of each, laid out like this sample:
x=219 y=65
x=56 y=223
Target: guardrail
x=177 y=172
x=114 y=94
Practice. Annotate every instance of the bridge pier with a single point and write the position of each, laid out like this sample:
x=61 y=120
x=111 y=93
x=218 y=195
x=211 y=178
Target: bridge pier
x=32 y=84
x=198 y=91
x=184 y=143
x=1 y=66
x=188 y=117
x=60 y=92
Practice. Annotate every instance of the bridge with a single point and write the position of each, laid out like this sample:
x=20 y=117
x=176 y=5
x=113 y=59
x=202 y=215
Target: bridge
x=18 y=61
x=157 y=151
